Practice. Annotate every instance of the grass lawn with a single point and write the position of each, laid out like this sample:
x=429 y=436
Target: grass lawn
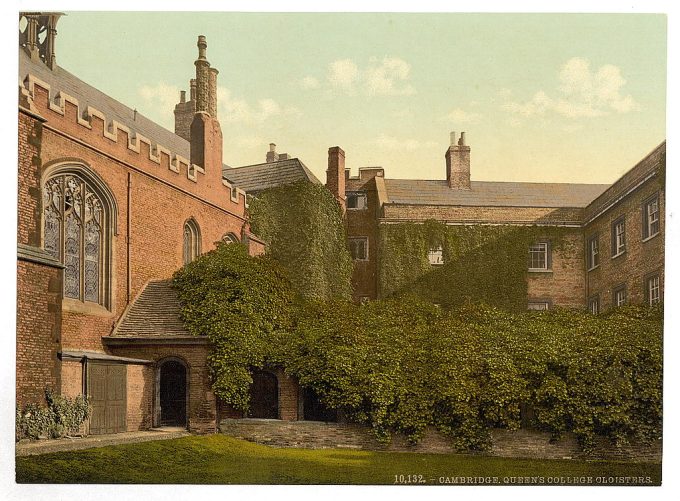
x=218 y=459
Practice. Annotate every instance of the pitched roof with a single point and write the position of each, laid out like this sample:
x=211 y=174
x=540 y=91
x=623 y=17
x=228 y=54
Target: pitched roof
x=155 y=313
x=494 y=194
x=61 y=80
x=254 y=178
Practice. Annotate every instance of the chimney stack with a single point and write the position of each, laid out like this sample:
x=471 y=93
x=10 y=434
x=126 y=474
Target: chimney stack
x=458 y=163
x=272 y=156
x=205 y=135
x=335 y=175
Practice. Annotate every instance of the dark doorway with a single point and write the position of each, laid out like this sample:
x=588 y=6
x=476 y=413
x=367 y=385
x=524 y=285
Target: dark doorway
x=315 y=410
x=173 y=394
x=264 y=396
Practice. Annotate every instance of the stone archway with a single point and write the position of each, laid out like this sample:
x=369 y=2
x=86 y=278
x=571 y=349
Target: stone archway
x=172 y=393
x=264 y=396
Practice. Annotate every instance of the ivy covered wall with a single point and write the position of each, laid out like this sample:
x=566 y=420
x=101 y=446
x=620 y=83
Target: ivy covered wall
x=303 y=227
x=481 y=263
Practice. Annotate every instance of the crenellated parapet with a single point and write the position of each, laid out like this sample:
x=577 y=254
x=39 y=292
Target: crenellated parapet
x=57 y=107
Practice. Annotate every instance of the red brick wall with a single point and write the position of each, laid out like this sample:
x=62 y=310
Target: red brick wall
x=38 y=330
x=202 y=410
x=140 y=394
x=71 y=378
x=158 y=212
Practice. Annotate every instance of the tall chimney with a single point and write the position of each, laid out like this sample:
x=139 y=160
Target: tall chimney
x=206 y=134
x=335 y=175
x=458 y=163
x=272 y=156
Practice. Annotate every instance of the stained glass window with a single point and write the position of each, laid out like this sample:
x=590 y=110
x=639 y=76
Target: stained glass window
x=73 y=226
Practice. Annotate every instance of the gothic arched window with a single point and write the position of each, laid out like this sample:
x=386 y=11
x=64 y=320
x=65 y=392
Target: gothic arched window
x=76 y=232
x=192 y=241
x=230 y=238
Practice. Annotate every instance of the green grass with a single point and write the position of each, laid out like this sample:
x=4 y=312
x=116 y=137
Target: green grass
x=218 y=459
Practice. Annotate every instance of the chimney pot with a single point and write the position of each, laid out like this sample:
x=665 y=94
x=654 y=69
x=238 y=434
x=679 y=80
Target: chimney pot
x=461 y=141
x=453 y=138
x=182 y=96
x=272 y=147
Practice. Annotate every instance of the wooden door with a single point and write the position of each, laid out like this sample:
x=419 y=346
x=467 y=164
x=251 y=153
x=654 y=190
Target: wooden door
x=107 y=392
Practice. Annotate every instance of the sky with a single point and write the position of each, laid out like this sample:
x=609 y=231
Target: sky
x=541 y=97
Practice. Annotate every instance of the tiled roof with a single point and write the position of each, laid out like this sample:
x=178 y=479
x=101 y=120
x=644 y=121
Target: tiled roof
x=61 y=80
x=254 y=178
x=155 y=313
x=494 y=194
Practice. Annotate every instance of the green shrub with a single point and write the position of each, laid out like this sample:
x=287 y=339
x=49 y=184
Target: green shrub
x=402 y=364
x=61 y=417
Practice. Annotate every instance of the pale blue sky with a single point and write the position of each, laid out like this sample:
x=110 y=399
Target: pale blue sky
x=542 y=97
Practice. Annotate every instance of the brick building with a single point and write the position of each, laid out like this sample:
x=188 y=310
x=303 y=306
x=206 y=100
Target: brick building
x=619 y=226
x=111 y=204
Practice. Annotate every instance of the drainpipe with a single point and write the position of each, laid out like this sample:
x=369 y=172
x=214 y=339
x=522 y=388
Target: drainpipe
x=127 y=237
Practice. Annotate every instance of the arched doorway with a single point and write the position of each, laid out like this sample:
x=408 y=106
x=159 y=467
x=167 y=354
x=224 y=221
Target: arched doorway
x=172 y=391
x=314 y=409
x=264 y=396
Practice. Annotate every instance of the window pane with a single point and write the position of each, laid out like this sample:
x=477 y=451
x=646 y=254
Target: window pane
x=435 y=256
x=92 y=246
x=72 y=258
x=538 y=259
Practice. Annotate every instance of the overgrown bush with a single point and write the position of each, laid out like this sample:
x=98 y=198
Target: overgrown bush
x=402 y=364
x=61 y=417
x=242 y=304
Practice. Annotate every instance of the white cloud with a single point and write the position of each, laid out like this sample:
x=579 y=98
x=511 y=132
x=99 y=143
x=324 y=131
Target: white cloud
x=460 y=116
x=232 y=109
x=392 y=143
x=581 y=93
x=342 y=74
x=161 y=98
x=309 y=83
x=386 y=77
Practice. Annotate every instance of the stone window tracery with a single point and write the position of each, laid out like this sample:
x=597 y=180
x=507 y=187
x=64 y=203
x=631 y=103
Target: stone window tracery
x=74 y=222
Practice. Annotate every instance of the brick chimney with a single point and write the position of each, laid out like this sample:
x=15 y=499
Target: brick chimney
x=458 y=163
x=335 y=175
x=205 y=135
x=272 y=156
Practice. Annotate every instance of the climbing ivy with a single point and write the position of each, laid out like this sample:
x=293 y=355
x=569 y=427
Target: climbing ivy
x=304 y=230
x=242 y=304
x=402 y=364
x=481 y=263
